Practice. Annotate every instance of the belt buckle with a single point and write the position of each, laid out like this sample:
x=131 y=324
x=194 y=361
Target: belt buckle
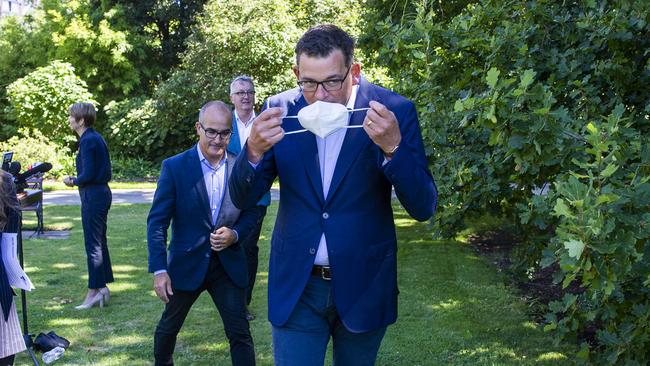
x=325 y=273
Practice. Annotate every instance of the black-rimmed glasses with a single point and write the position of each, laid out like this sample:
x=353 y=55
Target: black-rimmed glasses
x=328 y=85
x=212 y=133
x=250 y=93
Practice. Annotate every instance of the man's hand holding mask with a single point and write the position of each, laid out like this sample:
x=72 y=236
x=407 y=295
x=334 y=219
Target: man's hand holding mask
x=266 y=132
x=381 y=126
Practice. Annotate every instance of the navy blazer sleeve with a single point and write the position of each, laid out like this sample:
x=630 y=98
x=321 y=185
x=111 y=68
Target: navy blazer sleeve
x=160 y=215
x=246 y=222
x=408 y=171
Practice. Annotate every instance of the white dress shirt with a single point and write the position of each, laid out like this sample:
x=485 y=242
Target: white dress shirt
x=244 y=129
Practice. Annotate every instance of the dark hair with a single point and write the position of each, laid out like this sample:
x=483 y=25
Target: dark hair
x=6 y=201
x=321 y=40
x=85 y=111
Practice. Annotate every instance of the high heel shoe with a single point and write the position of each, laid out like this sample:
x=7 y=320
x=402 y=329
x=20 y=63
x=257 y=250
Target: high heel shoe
x=106 y=293
x=97 y=299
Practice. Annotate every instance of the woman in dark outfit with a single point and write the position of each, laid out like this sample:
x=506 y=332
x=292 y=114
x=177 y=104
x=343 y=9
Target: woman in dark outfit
x=93 y=174
x=11 y=338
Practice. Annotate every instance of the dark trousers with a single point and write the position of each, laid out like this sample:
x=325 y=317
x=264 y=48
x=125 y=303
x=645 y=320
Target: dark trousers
x=230 y=302
x=95 y=203
x=252 y=252
x=7 y=361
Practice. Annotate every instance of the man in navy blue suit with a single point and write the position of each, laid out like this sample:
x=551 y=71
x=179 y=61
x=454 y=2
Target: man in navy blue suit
x=204 y=251
x=333 y=267
x=242 y=96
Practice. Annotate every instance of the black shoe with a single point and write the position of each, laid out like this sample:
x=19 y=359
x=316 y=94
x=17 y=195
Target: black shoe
x=60 y=341
x=44 y=342
x=47 y=342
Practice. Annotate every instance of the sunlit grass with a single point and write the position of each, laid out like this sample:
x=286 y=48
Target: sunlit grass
x=453 y=309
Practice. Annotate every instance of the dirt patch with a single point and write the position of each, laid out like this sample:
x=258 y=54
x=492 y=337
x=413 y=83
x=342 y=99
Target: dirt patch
x=539 y=290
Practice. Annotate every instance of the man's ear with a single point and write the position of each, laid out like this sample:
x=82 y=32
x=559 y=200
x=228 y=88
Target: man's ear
x=296 y=71
x=355 y=72
x=197 y=126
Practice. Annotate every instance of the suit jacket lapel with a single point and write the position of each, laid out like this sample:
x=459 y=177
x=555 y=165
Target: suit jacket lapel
x=307 y=149
x=234 y=146
x=355 y=139
x=195 y=173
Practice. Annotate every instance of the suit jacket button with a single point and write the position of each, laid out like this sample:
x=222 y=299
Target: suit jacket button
x=326 y=215
x=312 y=251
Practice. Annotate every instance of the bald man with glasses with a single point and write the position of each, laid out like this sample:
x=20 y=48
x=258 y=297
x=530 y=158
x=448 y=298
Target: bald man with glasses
x=205 y=251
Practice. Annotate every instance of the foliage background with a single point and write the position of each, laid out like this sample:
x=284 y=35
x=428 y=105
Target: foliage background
x=536 y=112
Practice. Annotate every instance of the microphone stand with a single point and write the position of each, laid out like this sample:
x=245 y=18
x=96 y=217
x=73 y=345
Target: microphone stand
x=23 y=297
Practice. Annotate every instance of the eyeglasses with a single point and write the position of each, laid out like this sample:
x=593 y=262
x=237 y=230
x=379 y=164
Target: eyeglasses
x=244 y=93
x=328 y=85
x=212 y=133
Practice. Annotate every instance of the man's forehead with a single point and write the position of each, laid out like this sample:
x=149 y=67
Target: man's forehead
x=334 y=62
x=243 y=85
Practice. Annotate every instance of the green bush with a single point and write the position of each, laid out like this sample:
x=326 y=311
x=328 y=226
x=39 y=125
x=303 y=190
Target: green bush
x=221 y=47
x=516 y=96
x=31 y=146
x=132 y=169
x=40 y=101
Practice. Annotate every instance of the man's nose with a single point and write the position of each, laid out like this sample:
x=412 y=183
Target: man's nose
x=320 y=93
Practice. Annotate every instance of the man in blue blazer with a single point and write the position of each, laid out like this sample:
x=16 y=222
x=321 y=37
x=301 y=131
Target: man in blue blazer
x=242 y=96
x=332 y=270
x=204 y=251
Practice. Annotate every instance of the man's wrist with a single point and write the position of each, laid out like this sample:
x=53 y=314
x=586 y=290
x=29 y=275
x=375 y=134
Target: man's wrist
x=390 y=151
x=160 y=271
x=253 y=157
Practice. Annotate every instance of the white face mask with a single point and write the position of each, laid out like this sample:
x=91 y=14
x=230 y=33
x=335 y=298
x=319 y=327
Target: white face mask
x=323 y=118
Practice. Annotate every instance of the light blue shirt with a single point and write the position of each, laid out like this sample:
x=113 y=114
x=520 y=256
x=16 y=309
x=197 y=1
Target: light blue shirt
x=328 y=154
x=215 y=182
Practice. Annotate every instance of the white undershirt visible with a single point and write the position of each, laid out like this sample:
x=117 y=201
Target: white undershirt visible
x=244 y=129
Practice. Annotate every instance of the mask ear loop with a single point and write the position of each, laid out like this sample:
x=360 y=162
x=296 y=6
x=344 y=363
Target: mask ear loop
x=304 y=130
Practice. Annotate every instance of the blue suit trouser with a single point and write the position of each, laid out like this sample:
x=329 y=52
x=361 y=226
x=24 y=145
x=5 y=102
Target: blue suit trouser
x=95 y=203
x=302 y=341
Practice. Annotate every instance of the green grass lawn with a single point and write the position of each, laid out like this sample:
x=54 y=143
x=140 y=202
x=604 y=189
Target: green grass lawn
x=53 y=185
x=453 y=310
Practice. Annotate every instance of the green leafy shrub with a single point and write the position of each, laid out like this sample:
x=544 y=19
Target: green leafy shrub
x=519 y=96
x=31 y=146
x=221 y=47
x=132 y=169
x=40 y=100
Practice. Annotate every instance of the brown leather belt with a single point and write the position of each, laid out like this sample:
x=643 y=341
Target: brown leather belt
x=323 y=272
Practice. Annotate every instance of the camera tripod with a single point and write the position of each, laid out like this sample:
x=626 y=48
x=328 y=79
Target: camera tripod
x=23 y=298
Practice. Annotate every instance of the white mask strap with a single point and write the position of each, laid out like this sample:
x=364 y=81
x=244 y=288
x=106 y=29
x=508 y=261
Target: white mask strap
x=304 y=130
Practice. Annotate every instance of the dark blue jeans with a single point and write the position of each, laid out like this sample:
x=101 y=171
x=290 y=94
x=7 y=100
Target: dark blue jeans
x=303 y=339
x=95 y=203
x=230 y=302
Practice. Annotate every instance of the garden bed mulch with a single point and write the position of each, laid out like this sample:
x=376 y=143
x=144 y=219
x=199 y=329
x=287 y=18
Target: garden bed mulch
x=540 y=290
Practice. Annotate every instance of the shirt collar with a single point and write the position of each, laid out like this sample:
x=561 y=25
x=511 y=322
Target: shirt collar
x=239 y=120
x=205 y=161
x=353 y=97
